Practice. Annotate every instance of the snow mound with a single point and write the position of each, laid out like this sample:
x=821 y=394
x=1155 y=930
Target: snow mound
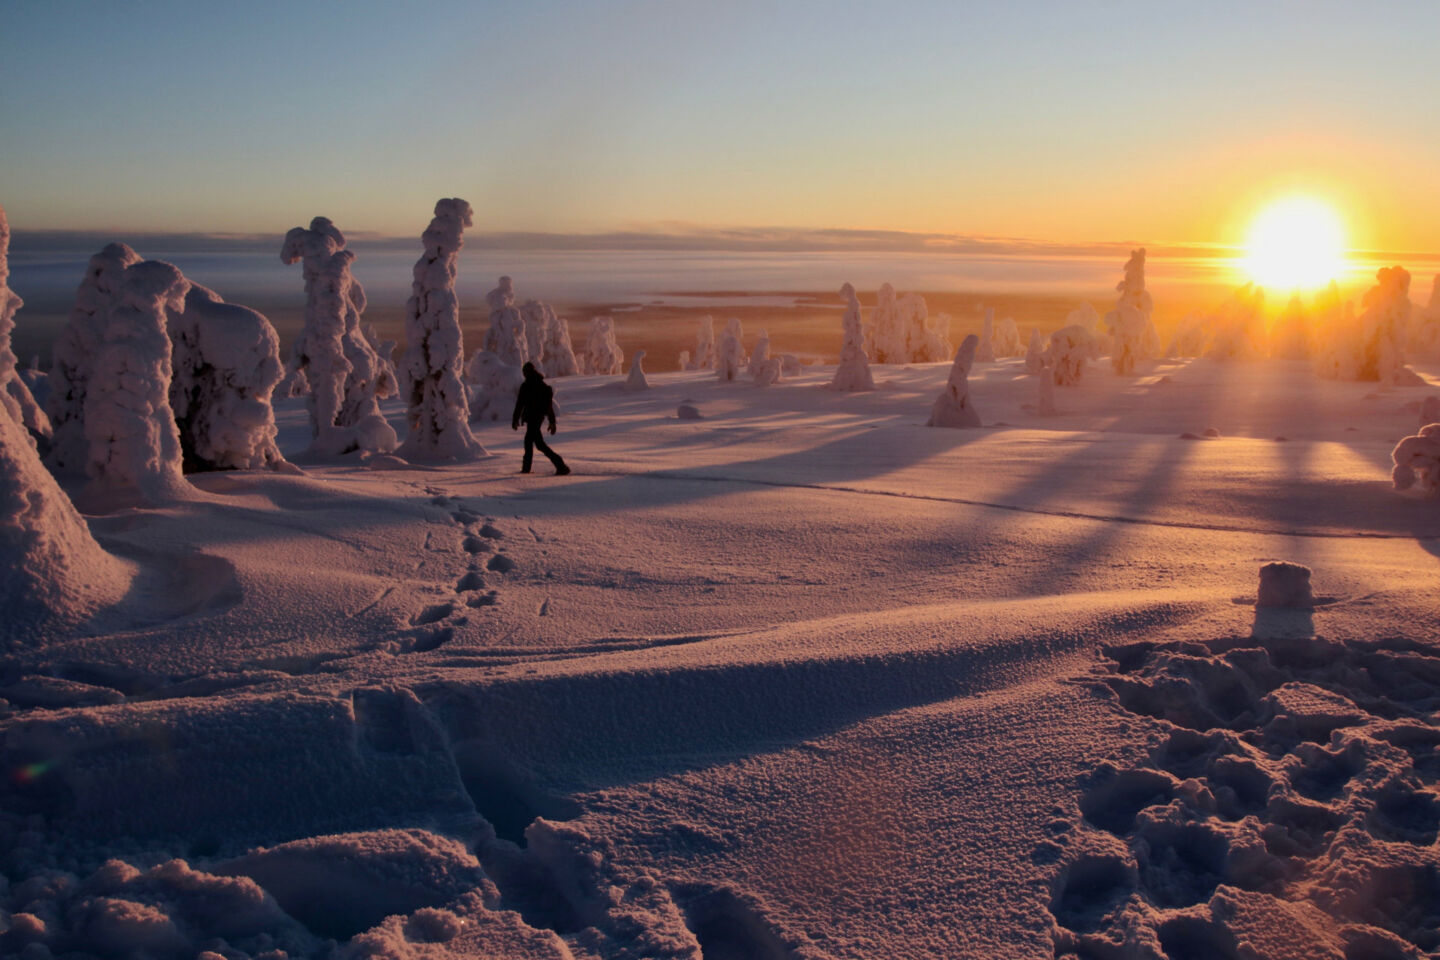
x=1284 y=584
x=688 y=411
x=853 y=373
x=438 y=414
x=636 y=378
x=953 y=407
x=53 y=574
x=1288 y=810
x=226 y=362
x=1417 y=461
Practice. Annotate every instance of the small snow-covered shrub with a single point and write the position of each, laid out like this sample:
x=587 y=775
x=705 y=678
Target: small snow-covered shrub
x=1417 y=462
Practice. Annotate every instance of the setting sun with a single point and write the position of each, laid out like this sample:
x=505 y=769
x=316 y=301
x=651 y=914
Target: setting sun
x=1298 y=242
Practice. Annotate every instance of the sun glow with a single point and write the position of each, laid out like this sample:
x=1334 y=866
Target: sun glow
x=1296 y=243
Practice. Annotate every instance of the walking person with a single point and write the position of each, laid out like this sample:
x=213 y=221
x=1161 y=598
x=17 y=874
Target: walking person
x=535 y=404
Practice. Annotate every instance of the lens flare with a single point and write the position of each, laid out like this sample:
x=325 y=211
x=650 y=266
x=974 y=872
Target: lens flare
x=1297 y=243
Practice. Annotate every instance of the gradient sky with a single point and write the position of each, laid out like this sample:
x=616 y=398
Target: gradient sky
x=1070 y=121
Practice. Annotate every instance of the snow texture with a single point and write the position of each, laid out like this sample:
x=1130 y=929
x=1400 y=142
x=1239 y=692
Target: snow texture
x=73 y=356
x=506 y=335
x=1417 y=462
x=438 y=412
x=602 y=354
x=225 y=362
x=492 y=384
x=345 y=374
x=704 y=356
x=635 y=380
x=986 y=352
x=1284 y=584
x=1132 y=332
x=853 y=372
x=730 y=351
x=15 y=396
x=953 y=407
x=134 y=445
x=52 y=572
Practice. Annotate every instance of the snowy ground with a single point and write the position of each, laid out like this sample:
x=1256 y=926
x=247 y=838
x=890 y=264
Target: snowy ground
x=800 y=679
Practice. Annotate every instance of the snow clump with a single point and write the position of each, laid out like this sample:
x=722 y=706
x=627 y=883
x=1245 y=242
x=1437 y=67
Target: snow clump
x=1284 y=584
x=853 y=373
x=438 y=414
x=1417 y=461
x=953 y=408
x=636 y=378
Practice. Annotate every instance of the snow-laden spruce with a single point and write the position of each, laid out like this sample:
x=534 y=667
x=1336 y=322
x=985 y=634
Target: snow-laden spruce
x=1417 y=462
x=133 y=443
x=52 y=572
x=1006 y=342
x=532 y=314
x=602 y=354
x=853 y=373
x=73 y=355
x=1236 y=331
x=953 y=407
x=1372 y=345
x=333 y=360
x=1290 y=337
x=636 y=379
x=15 y=396
x=557 y=355
x=730 y=351
x=438 y=407
x=225 y=362
x=764 y=368
x=1132 y=332
x=704 y=357
x=1070 y=347
x=1425 y=333
x=986 y=351
x=927 y=339
x=492 y=384
x=1035 y=353
x=506 y=335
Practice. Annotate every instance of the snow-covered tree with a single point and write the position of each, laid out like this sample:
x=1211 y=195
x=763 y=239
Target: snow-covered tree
x=532 y=313
x=438 y=412
x=492 y=385
x=1035 y=353
x=704 y=357
x=73 y=355
x=1417 y=461
x=953 y=407
x=134 y=445
x=53 y=574
x=854 y=370
x=225 y=362
x=506 y=335
x=885 y=340
x=1191 y=337
x=1007 y=339
x=730 y=351
x=345 y=376
x=1236 y=331
x=1132 y=332
x=557 y=356
x=602 y=354
x=763 y=368
x=1372 y=345
x=986 y=351
x=1290 y=337
x=1070 y=347
x=1425 y=333
x=15 y=396
x=636 y=378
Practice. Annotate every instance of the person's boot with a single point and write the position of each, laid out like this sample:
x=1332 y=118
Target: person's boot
x=561 y=469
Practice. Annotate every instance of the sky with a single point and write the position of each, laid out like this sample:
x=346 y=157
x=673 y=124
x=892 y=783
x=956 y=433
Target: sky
x=1062 y=121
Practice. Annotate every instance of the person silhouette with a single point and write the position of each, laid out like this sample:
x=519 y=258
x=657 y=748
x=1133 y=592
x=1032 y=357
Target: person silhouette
x=535 y=404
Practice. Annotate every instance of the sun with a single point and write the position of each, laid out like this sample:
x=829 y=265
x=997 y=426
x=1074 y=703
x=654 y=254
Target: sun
x=1296 y=243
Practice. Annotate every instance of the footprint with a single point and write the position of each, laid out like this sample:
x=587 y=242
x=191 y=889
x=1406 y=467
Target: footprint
x=471 y=581
x=544 y=608
x=488 y=599
x=433 y=640
x=432 y=614
x=501 y=563
x=465 y=517
x=473 y=544
x=492 y=532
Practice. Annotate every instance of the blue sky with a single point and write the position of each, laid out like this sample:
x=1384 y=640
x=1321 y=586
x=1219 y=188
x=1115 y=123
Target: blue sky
x=1065 y=121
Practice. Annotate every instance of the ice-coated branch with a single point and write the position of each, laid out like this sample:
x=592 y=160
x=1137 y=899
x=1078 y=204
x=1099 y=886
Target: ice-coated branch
x=953 y=407
x=853 y=373
x=134 y=445
x=438 y=407
x=15 y=397
x=346 y=376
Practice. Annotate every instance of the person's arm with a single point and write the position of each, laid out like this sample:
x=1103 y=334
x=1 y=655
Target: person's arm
x=550 y=413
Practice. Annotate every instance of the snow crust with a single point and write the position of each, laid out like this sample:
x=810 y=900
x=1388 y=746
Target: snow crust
x=438 y=414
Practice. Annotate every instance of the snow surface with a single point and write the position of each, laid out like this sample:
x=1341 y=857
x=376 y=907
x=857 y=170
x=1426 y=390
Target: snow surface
x=800 y=679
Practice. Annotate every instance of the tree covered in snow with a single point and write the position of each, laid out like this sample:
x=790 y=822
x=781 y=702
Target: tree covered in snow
x=557 y=356
x=602 y=354
x=1006 y=342
x=332 y=358
x=438 y=407
x=134 y=445
x=532 y=314
x=704 y=356
x=1417 y=461
x=636 y=379
x=764 y=369
x=760 y=356
x=225 y=362
x=986 y=351
x=1035 y=353
x=927 y=338
x=730 y=351
x=885 y=340
x=52 y=572
x=1236 y=331
x=1425 y=334
x=1132 y=332
x=853 y=373
x=1372 y=345
x=1190 y=338
x=953 y=407
x=15 y=396
x=492 y=384
x=506 y=335
x=73 y=355
x=1070 y=347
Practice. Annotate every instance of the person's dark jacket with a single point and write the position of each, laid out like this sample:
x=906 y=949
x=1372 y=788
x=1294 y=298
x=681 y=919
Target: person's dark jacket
x=535 y=402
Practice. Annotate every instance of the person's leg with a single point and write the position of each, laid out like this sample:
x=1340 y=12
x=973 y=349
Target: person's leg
x=551 y=454
x=531 y=435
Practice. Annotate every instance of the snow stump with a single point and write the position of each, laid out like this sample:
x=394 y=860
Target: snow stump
x=1285 y=584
